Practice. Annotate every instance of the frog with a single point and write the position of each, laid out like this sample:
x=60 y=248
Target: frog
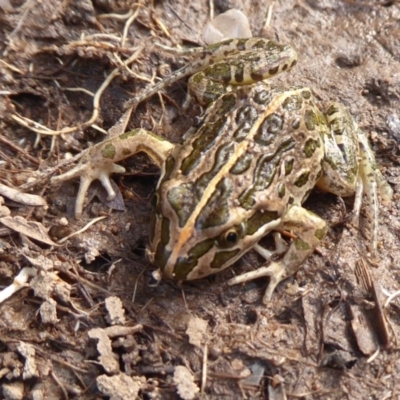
x=244 y=169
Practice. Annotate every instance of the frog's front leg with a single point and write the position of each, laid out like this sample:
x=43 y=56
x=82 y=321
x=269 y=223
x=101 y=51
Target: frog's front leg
x=280 y=247
x=309 y=230
x=99 y=161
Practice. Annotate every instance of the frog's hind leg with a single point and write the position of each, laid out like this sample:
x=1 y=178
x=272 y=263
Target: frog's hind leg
x=256 y=59
x=309 y=230
x=349 y=166
x=370 y=182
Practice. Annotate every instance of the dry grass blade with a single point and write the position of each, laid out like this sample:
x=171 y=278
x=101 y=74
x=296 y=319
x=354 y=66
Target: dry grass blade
x=363 y=274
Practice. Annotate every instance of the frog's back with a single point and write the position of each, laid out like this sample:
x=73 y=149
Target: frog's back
x=256 y=151
x=256 y=148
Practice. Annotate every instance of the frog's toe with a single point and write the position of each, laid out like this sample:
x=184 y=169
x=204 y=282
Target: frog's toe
x=104 y=178
x=276 y=271
x=80 y=198
x=89 y=173
x=281 y=247
x=102 y=173
x=156 y=277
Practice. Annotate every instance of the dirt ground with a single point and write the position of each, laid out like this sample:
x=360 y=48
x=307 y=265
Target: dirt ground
x=87 y=324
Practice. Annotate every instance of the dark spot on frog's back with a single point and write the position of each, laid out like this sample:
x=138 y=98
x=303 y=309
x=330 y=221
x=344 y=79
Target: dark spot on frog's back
x=310 y=119
x=205 y=140
x=333 y=109
x=301 y=136
x=241 y=44
x=273 y=71
x=288 y=166
x=306 y=94
x=262 y=96
x=310 y=146
x=302 y=179
x=296 y=123
x=245 y=117
x=242 y=164
x=256 y=76
x=221 y=157
x=281 y=190
x=246 y=114
x=239 y=73
x=293 y=102
x=264 y=172
x=183 y=199
x=226 y=104
x=216 y=211
x=269 y=129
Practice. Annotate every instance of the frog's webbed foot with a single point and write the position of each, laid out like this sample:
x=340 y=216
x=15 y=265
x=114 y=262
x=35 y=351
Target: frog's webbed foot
x=100 y=161
x=89 y=172
x=309 y=230
x=277 y=272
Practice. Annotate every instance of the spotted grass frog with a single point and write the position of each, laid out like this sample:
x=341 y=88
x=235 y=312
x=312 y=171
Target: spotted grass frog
x=245 y=169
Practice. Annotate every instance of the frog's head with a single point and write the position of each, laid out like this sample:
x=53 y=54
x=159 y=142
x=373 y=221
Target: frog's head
x=192 y=241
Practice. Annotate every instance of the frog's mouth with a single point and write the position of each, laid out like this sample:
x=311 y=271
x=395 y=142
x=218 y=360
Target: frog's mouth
x=191 y=266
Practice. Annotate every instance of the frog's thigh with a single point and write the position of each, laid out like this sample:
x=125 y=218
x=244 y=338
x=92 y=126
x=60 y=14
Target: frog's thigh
x=341 y=150
x=349 y=165
x=309 y=230
x=371 y=182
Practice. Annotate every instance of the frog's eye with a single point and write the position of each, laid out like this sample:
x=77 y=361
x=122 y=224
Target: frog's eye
x=230 y=237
